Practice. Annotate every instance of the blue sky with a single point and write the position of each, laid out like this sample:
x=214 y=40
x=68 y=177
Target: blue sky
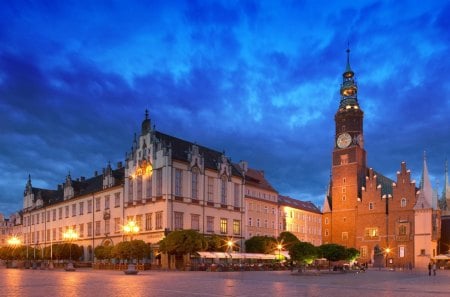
x=257 y=79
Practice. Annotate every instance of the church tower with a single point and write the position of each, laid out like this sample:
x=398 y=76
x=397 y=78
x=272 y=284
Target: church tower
x=348 y=164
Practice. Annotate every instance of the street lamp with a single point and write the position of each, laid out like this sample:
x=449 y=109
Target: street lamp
x=387 y=250
x=14 y=242
x=279 y=247
x=131 y=228
x=70 y=235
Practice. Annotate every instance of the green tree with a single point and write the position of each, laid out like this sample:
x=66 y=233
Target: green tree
x=351 y=254
x=333 y=252
x=261 y=244
x=287 y=239
x=303 y=252
x=214 y=243
x=183 y=242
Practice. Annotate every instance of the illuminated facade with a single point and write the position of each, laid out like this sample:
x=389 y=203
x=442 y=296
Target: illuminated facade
x=390 y=222
x=301 y=218
x=165 y=184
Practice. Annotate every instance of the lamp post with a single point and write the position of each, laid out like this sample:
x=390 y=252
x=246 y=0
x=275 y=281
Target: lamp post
x=387 y=250
x=70 y=235
x=279 y=247
x=14 y=242
x=131 y=228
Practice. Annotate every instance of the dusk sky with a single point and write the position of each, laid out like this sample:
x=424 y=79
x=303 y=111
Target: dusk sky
x=257 y=79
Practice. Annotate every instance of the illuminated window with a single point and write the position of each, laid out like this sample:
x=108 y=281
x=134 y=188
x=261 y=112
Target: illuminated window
x=236 y=227
x=363 y=251
x=371 y=233
x=401 y=251
x=402 y=230
x=223 y=225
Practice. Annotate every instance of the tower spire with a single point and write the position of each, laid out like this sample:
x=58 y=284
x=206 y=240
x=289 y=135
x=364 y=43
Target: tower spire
x=349 y=89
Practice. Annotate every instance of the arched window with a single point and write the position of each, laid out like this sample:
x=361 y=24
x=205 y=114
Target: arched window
x=403 y=202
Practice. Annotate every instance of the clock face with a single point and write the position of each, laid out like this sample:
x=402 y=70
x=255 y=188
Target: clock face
x=344 y=140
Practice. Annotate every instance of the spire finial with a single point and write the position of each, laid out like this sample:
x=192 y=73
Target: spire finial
x=146 y=114
x=348 y=69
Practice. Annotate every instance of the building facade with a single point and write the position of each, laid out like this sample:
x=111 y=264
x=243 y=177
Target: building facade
x=165 y=184
x=365 y=209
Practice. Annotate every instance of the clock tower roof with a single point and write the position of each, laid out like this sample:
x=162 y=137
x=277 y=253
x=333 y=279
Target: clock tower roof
x=349 y=89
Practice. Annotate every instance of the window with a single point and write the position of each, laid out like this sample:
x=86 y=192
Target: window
x=195 y=222
x=116 y=225
x=117 y=200
x=223 y=226
x=89 y=206
x=236 y=227
x=97 y=203
x=74 y=210
x=363 y=251
x=53 y=215
x=178 y=220
x=178 y=182
x=54 y=233
x=210 y=189
x=344 y=236
x=97 y=227
x=371 y=233
x=237 y=195
x=158 y=220
x=81 y=208
x=343 y=190
x=344 y=198
x=250 y=222
x=326 y=232
x=89 y=229
x=60 y=213
x=422 y=252
x=158 y=173
x=210 y=224
x=403 y=202
x=60 y=232
x=344 y=159
x=370 y=205
x=344 y=180
x=107 y=202
x=148 y=188
x=48 y=216
x=148 y=221
x=130 y=189
x=139 y=187
x=48 y=235
x=139 y=221
x=401 y=251
x=326 y=221
x=43 y=217
x=107 y=226
x=81 y=230
x=194 y=182
x=223 y=191
x=402 y=230
x=257 y=223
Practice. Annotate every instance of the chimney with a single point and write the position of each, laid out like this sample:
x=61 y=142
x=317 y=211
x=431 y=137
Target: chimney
x=119 y=165
x=95 y=173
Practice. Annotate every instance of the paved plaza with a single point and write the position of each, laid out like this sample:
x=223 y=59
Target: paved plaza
x=87 y=282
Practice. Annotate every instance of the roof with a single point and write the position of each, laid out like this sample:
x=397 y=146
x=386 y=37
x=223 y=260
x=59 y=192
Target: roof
x=80 y=187
x=303 y=205
x=257 y=179
x=180 y=149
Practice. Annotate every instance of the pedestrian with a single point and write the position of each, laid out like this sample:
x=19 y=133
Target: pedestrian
x=410 y=266
x=434 y=268
x=429 y=268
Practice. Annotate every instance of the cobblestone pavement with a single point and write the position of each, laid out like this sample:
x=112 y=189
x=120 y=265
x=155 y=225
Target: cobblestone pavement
x=87 y=282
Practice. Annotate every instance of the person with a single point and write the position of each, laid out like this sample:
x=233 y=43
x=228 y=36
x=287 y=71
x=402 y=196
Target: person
x=434 y=268
x=429 y=268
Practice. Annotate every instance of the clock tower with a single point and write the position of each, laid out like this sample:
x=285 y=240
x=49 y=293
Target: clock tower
x=348 y=165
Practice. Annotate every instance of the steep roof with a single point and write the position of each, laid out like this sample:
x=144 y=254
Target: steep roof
x=294 y=203
x=180 y=149
x=257 y=179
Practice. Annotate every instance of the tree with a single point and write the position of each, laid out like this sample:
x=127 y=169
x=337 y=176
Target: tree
x=183 y=242
x=261 y=244
x=333 y=252
x=351 y=254
x=287 y=239
x=303 y=252
x=214 y=243
x=102 y=252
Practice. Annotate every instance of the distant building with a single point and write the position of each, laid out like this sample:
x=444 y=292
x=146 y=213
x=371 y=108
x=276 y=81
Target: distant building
x=301 y=218
x=390 y=222
x=9 y=227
